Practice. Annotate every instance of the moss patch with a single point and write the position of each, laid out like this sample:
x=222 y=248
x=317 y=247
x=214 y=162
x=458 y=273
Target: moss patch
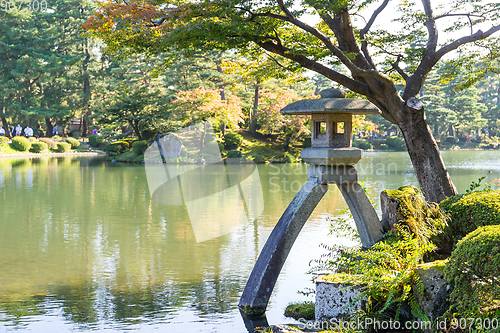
x=474 y=267
x=299 y=310
x=438 y=265
x=470 y=211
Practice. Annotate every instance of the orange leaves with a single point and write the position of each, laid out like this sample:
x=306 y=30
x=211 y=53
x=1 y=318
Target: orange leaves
x=132 y=14
x=207 y=103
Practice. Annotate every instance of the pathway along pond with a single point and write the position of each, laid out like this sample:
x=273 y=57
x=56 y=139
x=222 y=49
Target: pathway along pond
x=83 y=247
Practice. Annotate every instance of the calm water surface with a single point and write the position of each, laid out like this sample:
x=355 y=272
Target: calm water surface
x=84 y=248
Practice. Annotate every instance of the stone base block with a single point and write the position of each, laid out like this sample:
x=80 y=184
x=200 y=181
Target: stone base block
x=333 y=299
x=331 y=156
x=436 y=289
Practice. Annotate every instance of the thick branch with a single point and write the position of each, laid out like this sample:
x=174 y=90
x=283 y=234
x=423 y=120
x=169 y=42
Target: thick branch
x=417 y=79
x=479 y=35
x=305 y=62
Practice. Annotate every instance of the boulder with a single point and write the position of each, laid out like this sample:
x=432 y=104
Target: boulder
x=435 y=289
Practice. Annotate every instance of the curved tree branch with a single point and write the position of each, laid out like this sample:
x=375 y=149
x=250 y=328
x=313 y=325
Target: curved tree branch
x=315 y=66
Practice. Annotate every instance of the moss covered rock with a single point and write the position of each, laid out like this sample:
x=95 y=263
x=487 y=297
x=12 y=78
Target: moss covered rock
x=470 y=211
x=474 y=268
x=407 y=206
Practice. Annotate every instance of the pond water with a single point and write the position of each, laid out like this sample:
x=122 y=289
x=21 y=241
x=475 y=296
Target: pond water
x=84 y=248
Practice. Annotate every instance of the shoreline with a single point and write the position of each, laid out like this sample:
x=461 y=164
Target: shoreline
x=35 y=155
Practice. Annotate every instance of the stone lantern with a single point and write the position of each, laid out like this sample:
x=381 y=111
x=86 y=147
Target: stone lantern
x=331 y=127
x=331 y=157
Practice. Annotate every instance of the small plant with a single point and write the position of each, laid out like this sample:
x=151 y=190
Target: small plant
x=63 y=147
x=21 y=143
x=73 y=142
x=139 y=147
x=38 y=147
x=32 y=139
x=56 y=138
x=232 y=140
x=385 y=272
x=4 y=139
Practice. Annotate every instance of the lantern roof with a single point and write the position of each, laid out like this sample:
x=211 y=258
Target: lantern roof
x=331 y=101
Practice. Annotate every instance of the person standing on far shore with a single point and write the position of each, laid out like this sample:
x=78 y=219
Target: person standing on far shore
x=2 y=131
x=19 y=130
x=54 y=130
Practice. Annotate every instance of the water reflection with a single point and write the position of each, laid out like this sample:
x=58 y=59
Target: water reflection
x=83 y=246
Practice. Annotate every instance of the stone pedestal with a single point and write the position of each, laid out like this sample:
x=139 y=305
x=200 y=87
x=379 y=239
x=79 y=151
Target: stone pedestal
x=335 y=300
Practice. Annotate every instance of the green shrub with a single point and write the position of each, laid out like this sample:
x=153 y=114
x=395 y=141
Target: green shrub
x=51 y=143
x=396 y=143
x=232 y=140
x=96 y=140
x=452 y=139
x=56 y=138
x=383 y=146
x=73 y=142
x=364 y=145
x=32 y=139
x=4 y=139
x=76 y=134
x=470 y=211
x=234 y=154
x=21 y=143
x=474 y=268
x=38 y=147
x=116 y=147
x=139 y=147
x=63 y=147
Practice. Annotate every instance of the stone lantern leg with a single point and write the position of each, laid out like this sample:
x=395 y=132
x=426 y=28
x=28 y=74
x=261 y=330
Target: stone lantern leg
x=332 y=158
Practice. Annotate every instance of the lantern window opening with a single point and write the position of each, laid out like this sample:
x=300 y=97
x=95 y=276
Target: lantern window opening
x=321 y=128
x=339 y=127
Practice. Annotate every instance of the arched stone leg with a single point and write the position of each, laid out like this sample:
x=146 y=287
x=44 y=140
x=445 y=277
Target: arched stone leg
x=367 y=222
x=261 y=282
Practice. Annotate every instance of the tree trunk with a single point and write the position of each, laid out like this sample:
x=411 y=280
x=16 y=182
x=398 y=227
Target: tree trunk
x=6 y=128
x=255 y=110
x=451 y=131
x=50 y=127
x=433 y=177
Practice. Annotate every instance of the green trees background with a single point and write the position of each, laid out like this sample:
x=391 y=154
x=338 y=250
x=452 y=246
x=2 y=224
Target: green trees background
x=52 y=72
